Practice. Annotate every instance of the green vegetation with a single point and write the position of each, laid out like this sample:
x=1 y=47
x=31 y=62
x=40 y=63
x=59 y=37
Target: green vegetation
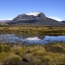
x=18 y=54
x=26 y=30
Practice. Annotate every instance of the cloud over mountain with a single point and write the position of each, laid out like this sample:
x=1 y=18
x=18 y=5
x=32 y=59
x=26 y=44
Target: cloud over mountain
x=55 y=18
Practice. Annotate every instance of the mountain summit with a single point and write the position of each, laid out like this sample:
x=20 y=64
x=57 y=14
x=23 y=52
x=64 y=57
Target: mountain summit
x=33 y=13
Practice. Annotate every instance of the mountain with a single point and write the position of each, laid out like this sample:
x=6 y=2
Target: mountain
x=63 y=22
x=3 y=22
x=34 y=18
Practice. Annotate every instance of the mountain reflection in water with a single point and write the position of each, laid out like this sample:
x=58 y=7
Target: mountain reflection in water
x=11 y=38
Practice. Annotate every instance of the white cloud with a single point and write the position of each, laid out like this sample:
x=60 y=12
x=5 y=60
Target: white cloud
x=55 y=18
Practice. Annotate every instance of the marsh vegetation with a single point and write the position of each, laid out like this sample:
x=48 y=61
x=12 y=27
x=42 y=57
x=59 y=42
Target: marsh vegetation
x=32 y=30
x=18 y=54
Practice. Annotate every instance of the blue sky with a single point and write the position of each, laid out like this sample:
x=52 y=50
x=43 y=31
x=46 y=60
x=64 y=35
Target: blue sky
x=51 y=8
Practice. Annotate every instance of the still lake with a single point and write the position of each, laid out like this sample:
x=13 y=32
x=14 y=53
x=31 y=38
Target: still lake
x=11 y=38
